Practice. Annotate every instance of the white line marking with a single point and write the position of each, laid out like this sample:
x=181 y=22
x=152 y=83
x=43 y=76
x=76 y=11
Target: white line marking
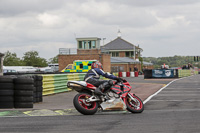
x=175 y=100
x=149 y=98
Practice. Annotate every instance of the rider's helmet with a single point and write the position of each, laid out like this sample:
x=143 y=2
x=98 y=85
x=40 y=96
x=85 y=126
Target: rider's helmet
x=96 y=64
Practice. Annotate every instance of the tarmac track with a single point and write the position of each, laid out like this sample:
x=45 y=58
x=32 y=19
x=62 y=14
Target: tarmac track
x=175 y=109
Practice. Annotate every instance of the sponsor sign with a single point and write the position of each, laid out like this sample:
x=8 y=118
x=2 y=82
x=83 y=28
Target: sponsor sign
x=163 y=73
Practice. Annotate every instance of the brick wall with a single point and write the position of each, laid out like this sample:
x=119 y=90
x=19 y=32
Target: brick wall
x=122 y=54
x=106 y=62
x=89 y=51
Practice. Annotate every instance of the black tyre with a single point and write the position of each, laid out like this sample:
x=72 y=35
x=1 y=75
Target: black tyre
x=6 y=99
x=24 y=80
x=38 y=94
x=6 y=86
x=84 y=107
x=24 y=87
x=23 y=104
x=5 y=105
x=5 y=79
x=23 y=93
x=39 y=78
x=24 y=99
x=38 y=83
x=134 y=106
x=6 y=93
x=40 y=99
x=40 y=89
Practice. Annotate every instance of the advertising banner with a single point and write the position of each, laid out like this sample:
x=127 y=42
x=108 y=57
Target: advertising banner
x=163 y=73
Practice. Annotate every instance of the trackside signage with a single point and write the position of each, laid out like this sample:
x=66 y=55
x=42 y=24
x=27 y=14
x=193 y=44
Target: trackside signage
x=163 y=73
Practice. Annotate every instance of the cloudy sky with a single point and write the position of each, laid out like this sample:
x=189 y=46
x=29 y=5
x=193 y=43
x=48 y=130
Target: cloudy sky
x=160 y=27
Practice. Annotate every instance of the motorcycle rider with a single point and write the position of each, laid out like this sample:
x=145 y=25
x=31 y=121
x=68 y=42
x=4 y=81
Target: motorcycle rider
x=93 y=76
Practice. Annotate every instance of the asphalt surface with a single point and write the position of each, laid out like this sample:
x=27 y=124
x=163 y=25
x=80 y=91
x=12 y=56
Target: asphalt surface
x=62 y=103
x=175 y=109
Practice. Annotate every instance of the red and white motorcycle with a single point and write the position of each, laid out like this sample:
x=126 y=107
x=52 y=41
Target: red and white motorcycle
x=118 y=96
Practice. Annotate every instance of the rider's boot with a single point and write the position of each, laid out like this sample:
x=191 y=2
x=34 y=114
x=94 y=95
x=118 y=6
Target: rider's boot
x=102 y=88
x=98 y=90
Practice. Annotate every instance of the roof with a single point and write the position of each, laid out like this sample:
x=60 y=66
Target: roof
x=119 y=44
x=123 y=60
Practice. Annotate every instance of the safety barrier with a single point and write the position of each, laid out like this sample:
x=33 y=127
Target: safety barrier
x=56 y=83
x=128 y=74
x=175 y=73
x=186 y=73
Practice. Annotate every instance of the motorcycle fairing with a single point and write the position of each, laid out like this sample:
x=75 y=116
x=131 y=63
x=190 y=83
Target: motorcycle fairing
x=117 y=89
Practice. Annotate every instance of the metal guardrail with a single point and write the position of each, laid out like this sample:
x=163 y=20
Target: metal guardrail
x=56 y=83
x=67 y=51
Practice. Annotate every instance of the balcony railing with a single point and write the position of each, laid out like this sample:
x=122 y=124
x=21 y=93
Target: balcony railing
x=71 y=51
x=67 y=51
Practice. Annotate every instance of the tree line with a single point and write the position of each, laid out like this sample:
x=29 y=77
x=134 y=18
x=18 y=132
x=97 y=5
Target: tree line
x=30 y=58
x=175 y=61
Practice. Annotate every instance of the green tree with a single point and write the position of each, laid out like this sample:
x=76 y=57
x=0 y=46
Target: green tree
x=31 y=58
x=11 y=59
x=53 y=60
x=176 y=61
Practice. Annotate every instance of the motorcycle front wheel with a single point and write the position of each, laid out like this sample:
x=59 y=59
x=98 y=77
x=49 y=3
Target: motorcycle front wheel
x=84 y=107
x=134 y=104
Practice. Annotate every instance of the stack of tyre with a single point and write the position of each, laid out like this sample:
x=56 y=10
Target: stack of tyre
x=23 y=92
x=38 y=89
x=6 y=92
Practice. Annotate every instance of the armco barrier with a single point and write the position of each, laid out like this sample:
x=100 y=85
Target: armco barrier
x=56 y=83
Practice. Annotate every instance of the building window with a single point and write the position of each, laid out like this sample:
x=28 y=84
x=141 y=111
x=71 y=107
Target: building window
x=129 y=54
x=86 y=44
x=114 y=54
x=80 y=44
x=93 y=44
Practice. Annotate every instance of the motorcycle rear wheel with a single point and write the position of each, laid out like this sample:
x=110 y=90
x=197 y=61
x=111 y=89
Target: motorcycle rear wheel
x=134 y=106
x=86 y=108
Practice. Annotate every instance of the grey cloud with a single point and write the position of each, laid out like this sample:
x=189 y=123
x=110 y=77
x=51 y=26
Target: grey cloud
x=15 y=7
x=156 y=25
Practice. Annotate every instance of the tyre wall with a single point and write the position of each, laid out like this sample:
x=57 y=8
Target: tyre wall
x=6 y=92
x=23 y=91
